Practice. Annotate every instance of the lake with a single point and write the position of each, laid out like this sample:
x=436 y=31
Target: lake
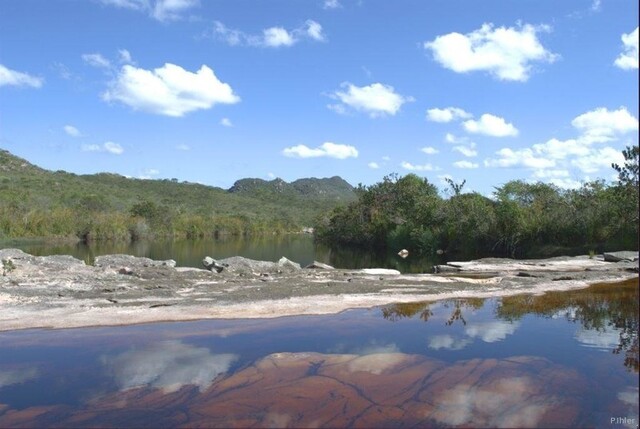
x=563 y=359
x=189 y=253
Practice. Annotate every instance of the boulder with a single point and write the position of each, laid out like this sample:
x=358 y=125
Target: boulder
x=289 y=265
x=443 y=269
x=623 y=256
x=319 y=266
x=380 y=271
x=119 y=261
x=213 y=265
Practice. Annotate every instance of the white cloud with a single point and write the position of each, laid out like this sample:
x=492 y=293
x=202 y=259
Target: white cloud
x=111 y=147
x=161 y=10
x=168 y=365
x=411 y=167
x=273 y=37
x=373 y=165
x=467 y=150
x=327 y=149
x=149 y=173
x=125 y=56
x=597 y=159
x=450 y=138
x=490 y=125
x=96 y=60
x=169 y=90
x=601 y=125
x=277 y=36
x=72 y=131
x=465 y=164
x=331 y=4
x=183 y=146
x=430 y=150
x=447 y=114
x=547 y=174
x=376 y=99
x=628 y=59
x=558 y=149
x=16 y=78
x=505 y=53
x=519 y=158
x=226 y=122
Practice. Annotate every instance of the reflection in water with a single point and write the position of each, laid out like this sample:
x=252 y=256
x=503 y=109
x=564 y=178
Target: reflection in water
x=605 y=311
x=168 y=365
x=17 y=376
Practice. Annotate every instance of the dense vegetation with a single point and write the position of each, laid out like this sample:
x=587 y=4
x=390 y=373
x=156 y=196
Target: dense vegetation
x=38 y=203
x=523 y=219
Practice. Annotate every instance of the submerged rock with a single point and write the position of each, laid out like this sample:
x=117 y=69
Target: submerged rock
x=623 y=256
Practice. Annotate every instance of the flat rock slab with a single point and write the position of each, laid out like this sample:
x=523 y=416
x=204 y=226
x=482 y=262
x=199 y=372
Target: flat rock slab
x=61 y=291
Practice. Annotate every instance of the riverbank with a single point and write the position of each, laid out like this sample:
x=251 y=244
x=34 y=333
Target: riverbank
x=64 y=292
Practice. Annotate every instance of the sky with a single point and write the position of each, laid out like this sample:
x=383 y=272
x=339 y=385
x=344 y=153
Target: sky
x=212 y=91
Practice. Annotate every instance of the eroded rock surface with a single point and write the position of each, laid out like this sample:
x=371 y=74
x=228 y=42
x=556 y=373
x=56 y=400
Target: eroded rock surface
x=61 y=291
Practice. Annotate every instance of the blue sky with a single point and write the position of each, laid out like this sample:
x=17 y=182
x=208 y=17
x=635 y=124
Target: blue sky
x=212 y=91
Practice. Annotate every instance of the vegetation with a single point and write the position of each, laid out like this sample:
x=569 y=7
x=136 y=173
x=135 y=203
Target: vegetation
x=523 y=219
x=38 y=203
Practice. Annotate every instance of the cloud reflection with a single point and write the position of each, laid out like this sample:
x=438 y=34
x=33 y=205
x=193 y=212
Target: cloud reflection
x=490 y=332
x=168 y=365
x=448 y=342
x=607 y=338
x=17 y=376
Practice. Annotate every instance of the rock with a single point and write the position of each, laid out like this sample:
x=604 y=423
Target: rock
x=380 y=271
x=623 y=256
x=119 y=261
x=125 y=270
x=213 y=265
x=319 y=266
x=403 y=253
x=443 y=269
x=290 y=265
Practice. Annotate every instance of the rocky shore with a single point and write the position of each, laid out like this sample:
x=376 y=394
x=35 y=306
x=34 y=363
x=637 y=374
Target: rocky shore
x=63 y=292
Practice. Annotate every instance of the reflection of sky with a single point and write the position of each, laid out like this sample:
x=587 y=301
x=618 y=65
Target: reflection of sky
x=506 y=403
x=168 y=365
x=489 y=332
x=606 y=339
x=630 y=398
x=17 y=376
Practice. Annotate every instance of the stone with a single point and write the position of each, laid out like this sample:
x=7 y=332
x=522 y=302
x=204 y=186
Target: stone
x=623 y=256
x=319 y=266
x=212 y=265
x=403 y=253
x=380 y=271
x=443 y=269
x=286 y=263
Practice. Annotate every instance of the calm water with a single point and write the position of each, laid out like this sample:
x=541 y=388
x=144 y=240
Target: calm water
x=189 y=253
x=559 y=360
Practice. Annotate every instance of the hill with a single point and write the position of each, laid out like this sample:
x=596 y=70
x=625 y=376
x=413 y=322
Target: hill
x=31 y=197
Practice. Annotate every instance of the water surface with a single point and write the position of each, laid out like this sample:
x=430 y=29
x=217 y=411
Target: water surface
x=564 y=359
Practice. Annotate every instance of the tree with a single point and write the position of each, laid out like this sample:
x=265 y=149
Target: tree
x=628 y=173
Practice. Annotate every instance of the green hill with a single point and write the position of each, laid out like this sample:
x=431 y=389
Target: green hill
x=38 y=202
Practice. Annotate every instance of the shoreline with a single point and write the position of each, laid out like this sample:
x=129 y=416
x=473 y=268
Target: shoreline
x=59 y=292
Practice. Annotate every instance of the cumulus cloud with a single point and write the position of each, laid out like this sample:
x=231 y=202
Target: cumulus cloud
x=96 y=60
x=430 y=150
x=272 y=37
x=602 y=125
x=161 y=10
x=326 y=149
x=526 y=157
x=125 y=56
x=465 y=164
x=467 y=150
x=447 y=114
x=110 y=147
x=169 y=90
x=168 y=365
x=16 y=78
x=183 y=146
x=628 y=59
x=373 y=165
x=597 y=159
x=490 y=125
x=412 y=167
x=505 y=53
x=71 y=130
x=226 y=122
x=558 y=149
x=376 y=99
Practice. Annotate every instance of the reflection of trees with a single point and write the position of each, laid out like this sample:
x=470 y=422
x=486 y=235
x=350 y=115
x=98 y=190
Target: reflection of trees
x=396 y=312
x=597 y=307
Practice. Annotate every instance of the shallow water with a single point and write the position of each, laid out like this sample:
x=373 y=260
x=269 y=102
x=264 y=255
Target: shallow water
x=564 y=359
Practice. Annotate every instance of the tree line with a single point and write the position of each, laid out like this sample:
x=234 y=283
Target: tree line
x=522 y=219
